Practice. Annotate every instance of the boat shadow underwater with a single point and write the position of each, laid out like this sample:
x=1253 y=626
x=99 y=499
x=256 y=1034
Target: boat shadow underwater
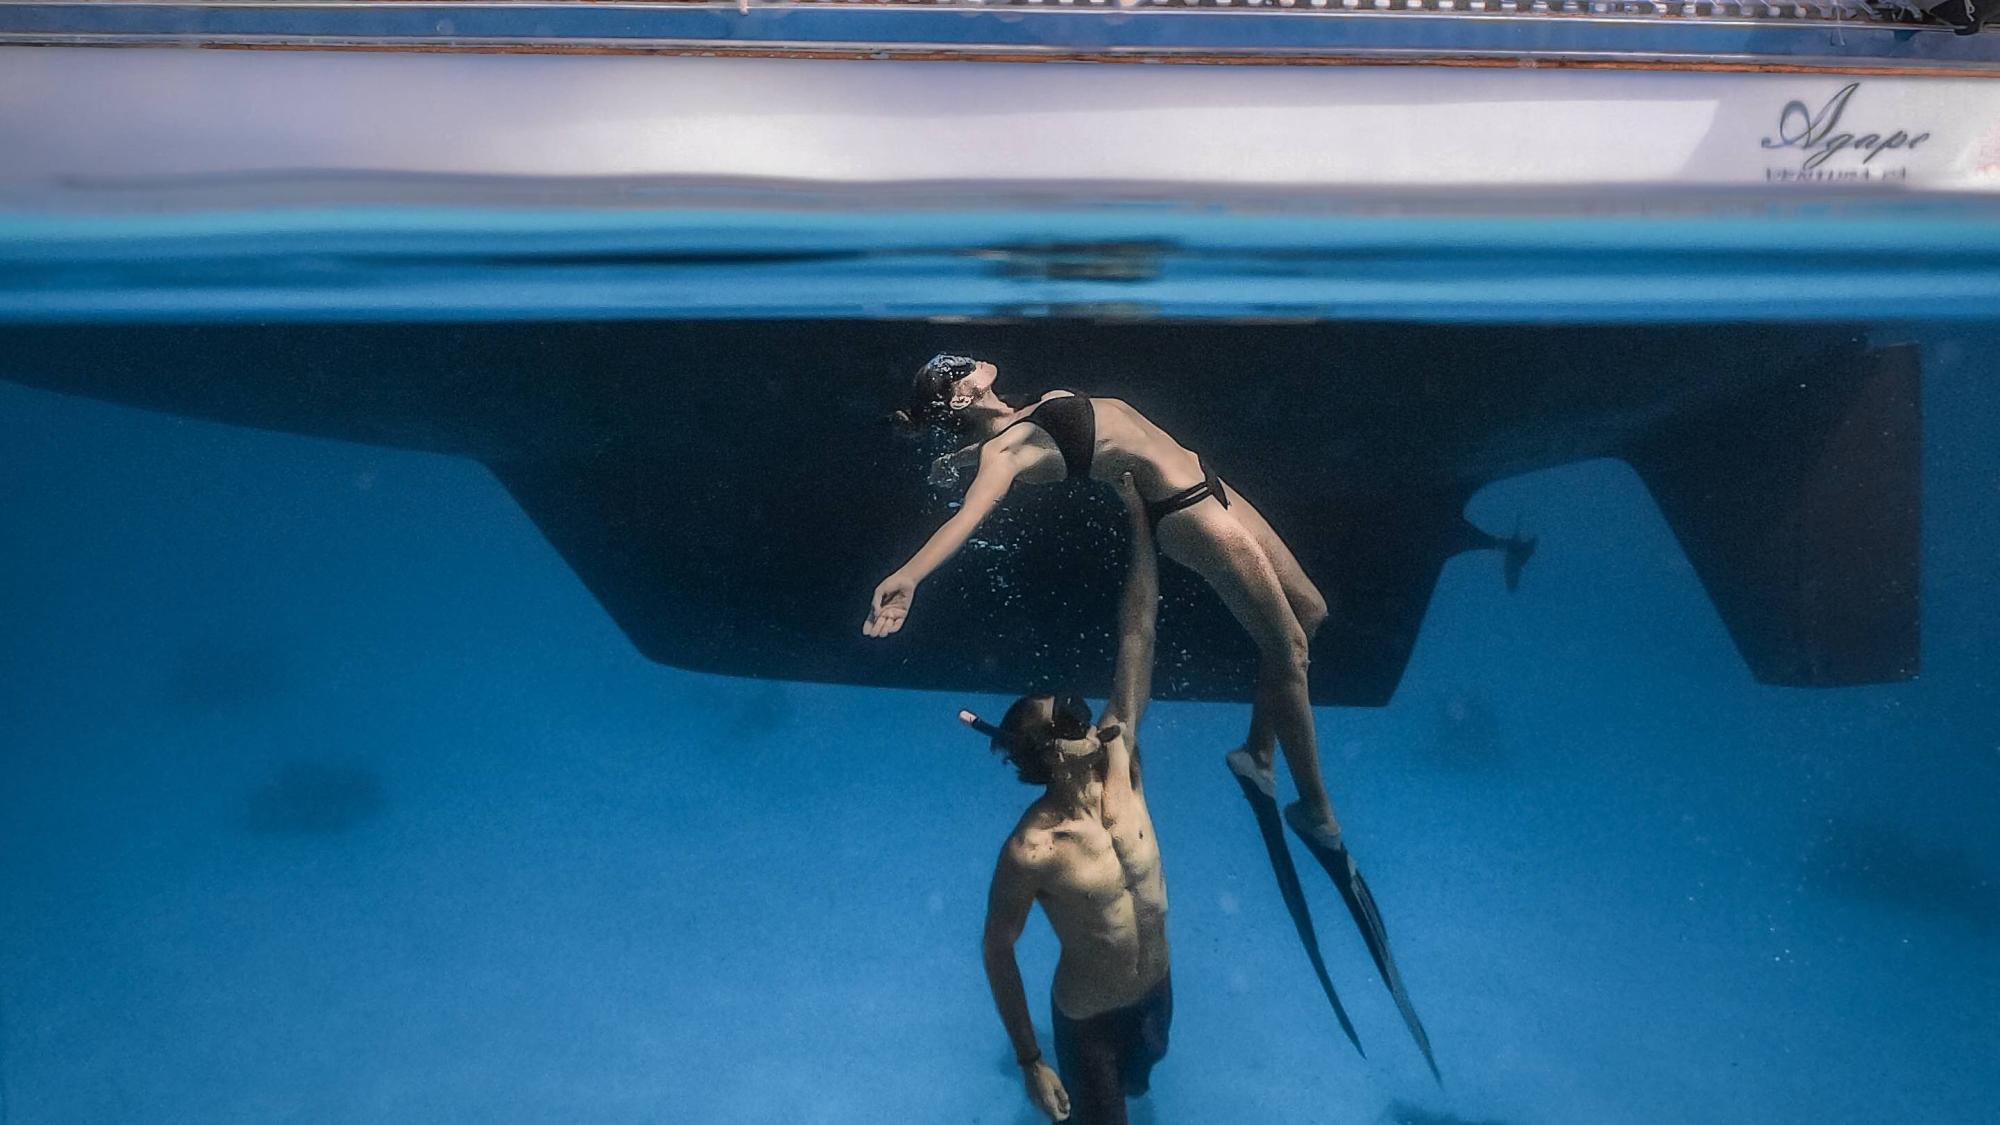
x=730 y=492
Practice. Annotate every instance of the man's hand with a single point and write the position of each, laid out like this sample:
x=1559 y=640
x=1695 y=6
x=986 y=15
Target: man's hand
x=1046 y=1090
x=1135 y=505
x=890 y=605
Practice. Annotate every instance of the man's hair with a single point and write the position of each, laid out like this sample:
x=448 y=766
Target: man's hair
x=1028 y=738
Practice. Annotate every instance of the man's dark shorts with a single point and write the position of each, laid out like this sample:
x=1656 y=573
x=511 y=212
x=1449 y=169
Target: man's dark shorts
x=1109 y=1057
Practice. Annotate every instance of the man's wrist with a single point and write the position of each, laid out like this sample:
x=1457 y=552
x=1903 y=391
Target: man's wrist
x=1029 y=1059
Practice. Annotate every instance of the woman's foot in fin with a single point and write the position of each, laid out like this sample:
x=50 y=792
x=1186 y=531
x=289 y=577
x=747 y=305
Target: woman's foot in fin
x=1321 y=833
x=1244 y=765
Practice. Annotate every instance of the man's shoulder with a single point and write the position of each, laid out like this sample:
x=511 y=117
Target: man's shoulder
x=1034 y=840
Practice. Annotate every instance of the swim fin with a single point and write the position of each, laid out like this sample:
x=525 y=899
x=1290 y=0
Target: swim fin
x=1339 y=864
x=1264 y=802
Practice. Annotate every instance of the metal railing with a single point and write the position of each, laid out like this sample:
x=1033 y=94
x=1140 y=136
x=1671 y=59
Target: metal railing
x=1871 y=36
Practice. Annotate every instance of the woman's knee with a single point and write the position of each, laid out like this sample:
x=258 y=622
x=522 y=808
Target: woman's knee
x=1312 y=612
x=1285 y=657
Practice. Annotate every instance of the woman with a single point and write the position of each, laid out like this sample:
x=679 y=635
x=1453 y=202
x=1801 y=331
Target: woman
x=1197 y=521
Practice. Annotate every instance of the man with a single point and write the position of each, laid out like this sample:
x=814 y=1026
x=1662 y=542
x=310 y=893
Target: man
x=1086 y=851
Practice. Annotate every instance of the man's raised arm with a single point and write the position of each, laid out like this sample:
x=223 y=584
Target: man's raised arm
x=1132 y=677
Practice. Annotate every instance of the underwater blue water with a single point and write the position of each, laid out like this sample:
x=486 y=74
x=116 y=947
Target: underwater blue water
x=331 y=795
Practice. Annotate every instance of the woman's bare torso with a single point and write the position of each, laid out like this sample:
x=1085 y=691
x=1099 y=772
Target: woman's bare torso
x=1127 y=442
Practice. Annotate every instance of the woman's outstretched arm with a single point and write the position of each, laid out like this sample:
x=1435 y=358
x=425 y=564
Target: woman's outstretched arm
x=998 y=466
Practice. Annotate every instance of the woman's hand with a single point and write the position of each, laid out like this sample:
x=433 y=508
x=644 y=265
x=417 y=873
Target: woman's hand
x=944 y=471
x=890 y=606
x=1046 y=1090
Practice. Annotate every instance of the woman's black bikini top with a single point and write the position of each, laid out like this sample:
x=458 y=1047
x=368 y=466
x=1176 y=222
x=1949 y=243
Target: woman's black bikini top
x=1072 y=425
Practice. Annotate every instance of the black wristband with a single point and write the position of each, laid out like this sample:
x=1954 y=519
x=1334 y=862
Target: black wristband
x=1030 y=1060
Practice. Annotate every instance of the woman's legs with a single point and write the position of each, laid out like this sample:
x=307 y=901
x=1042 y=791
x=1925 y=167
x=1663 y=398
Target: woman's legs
x=1308 y=606
x=1210 y=541
x=1307 y=603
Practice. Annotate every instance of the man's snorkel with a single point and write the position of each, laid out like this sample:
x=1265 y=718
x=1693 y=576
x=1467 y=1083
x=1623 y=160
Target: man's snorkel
x=984 y=727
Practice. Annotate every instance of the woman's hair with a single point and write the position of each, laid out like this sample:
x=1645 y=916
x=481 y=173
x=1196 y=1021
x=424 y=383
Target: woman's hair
x=929 y=402
x=1028 y=741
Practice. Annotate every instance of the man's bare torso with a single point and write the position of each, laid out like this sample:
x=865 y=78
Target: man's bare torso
x=1102 y=888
